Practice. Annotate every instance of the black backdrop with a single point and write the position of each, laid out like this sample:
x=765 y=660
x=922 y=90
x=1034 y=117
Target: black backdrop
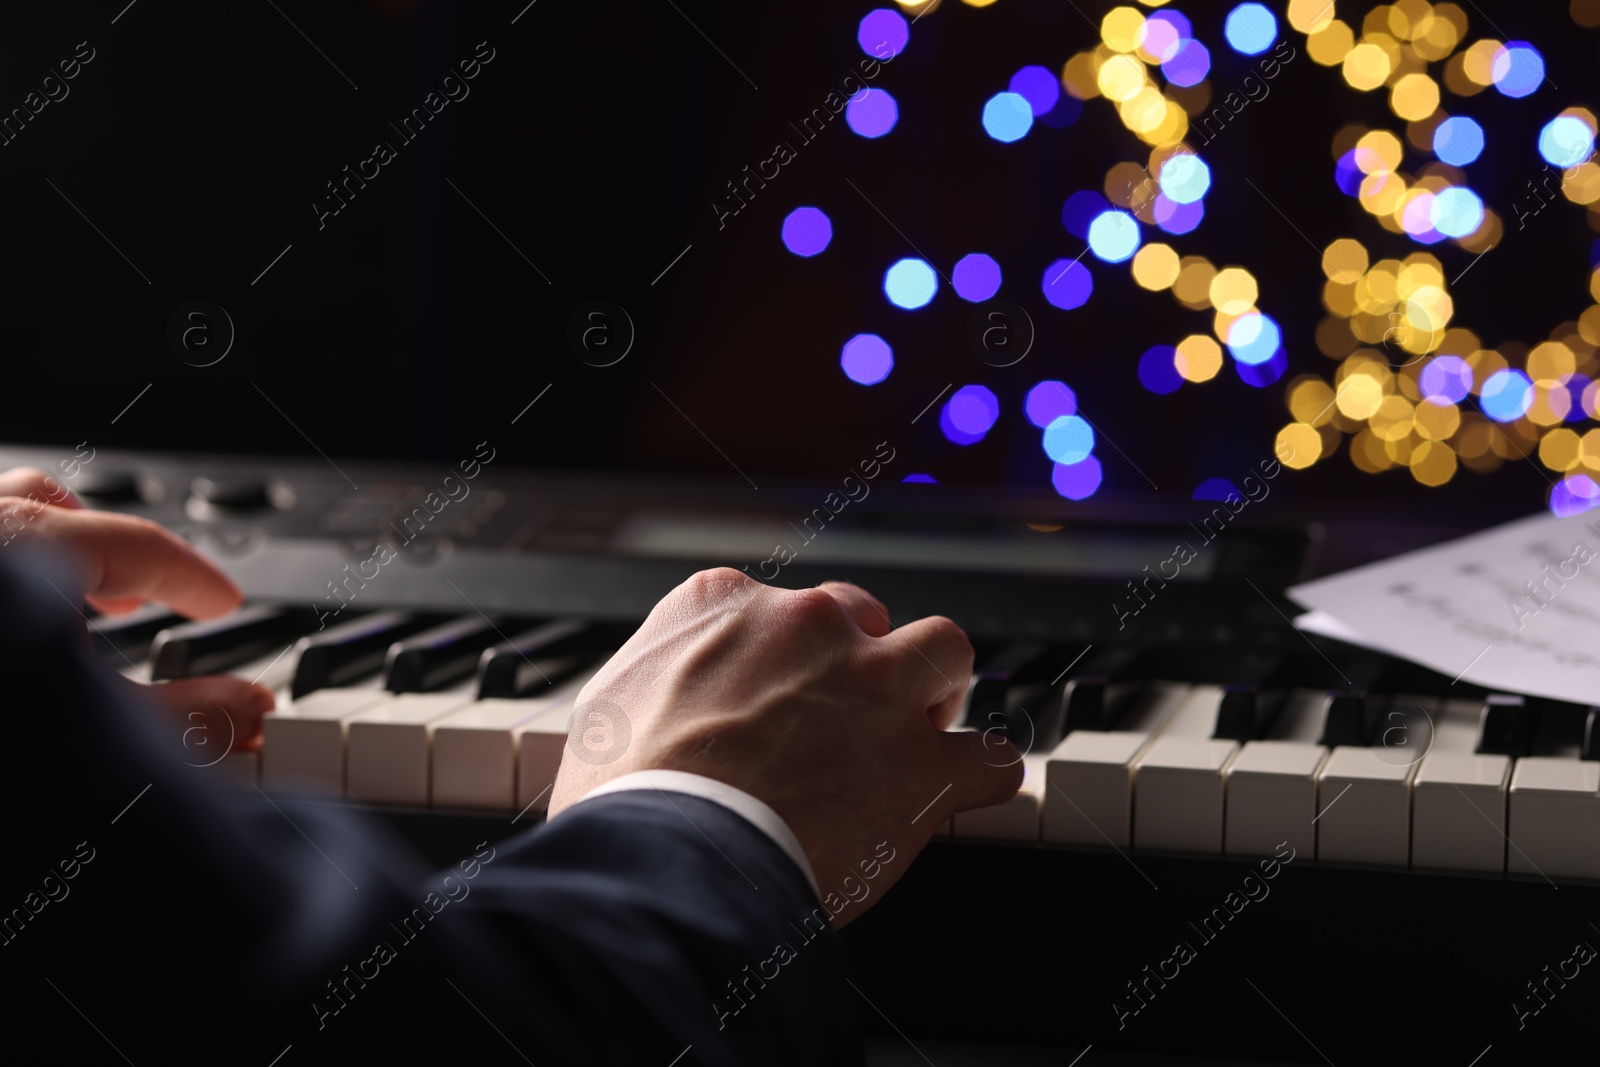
x=591 y=148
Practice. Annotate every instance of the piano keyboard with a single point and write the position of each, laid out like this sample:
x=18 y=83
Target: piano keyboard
x=1132 y=749
x=393 y=708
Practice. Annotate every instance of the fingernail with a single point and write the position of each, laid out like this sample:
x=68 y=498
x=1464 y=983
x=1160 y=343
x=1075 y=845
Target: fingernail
x=261 y=699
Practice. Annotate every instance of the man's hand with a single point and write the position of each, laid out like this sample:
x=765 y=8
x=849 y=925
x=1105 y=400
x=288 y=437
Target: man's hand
x=125 y=561
x=811 y=702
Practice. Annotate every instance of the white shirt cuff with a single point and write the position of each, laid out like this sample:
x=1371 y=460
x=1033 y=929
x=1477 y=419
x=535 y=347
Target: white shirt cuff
x=737 y=801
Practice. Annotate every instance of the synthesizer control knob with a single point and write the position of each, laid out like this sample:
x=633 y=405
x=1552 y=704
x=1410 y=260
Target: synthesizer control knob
x=212 y=497
x=110 y=487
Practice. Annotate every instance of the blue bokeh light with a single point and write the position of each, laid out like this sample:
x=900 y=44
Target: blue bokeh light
x=1456 y=212
x=910 y=283
x=1184 y=178
x=1040 y=88
x=1574 y=494
x=1068 y=439
x=872 y=113
x=1067 y=284
x=1113 y=236
x=806 y=231
x=1566 y=141
x=1253 y=338
x=919 y=479
x=1347 y=174
x=1007 y=117
x=1188 y=66
x=973 y=409
x=1164 y=34
x=1076 y=481
x=1446 y=380
x=1506 y=395
x=1250 y=29
x=1517 y=68
x=1064 y=114
x=1577 y=385
x=883 y=33
x=866 y=358
x=1457 y=141
x=1158 y=372
x=1261 y=375
x=1048 y=401
x=1216 y=489
x=1176 y=218
x=1080 y=209
x=954 y=434
x=976 y=277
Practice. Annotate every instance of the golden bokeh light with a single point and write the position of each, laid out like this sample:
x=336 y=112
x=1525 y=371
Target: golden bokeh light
x=1156 y=266
x=1432 y=463
x=1122 y=29
x=1344 y=260
x=1193 y=286
x=1558 y=449
x=1329 y=45
x=1198 y=358
x=1414 y=97
x=1435 y=421
x=1298 y=445
x=1233 y=291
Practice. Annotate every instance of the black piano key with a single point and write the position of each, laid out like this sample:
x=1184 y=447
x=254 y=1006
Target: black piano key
x=1252 y=700
x=195 y=648
x=352 y=650
x=1090 y=696
x=1350 y=718
x=1505 y=727
x=543 y=656
x=124 y=639
x=439 y=656
x=1591 y=735
x=992 y=678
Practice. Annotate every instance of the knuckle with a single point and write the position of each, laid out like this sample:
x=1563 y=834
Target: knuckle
x=714 y=584
x=813 y=608
x=944 y=630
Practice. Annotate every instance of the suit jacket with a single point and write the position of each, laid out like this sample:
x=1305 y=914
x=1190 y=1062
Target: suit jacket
x=147 y=914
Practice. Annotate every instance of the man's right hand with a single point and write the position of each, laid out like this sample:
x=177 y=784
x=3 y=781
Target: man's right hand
x=811 y=702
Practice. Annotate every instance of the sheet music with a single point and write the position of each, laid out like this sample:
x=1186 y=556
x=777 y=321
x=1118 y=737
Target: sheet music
x=1515 y=608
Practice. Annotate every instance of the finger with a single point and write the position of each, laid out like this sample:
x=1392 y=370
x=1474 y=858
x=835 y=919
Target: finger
x=867 y=610
x=935 y=661
x=215 y=712
x=32 y=482
x=127 y=558
x=113 y=605
x=983 y=769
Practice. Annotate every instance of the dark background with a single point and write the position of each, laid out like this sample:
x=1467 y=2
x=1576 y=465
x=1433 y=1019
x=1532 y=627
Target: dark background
x=595 y=142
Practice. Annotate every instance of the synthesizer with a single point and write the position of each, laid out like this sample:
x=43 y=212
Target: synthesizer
x=1343 y=826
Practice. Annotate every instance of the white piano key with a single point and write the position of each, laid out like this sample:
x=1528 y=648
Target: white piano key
x=1089 y=778
x=1272 y=796
x=1178 y=781
x=475 y=755
x=1364 y=808
x=1272 y=785
x=541 y=743
x=1458 y=798
x=387 y=759
x=1016 y=819
x=302 y=744
x=475 y=749
x=1554 y=821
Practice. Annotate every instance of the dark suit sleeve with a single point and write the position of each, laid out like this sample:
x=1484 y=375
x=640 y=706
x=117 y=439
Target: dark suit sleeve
x=147 y=914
